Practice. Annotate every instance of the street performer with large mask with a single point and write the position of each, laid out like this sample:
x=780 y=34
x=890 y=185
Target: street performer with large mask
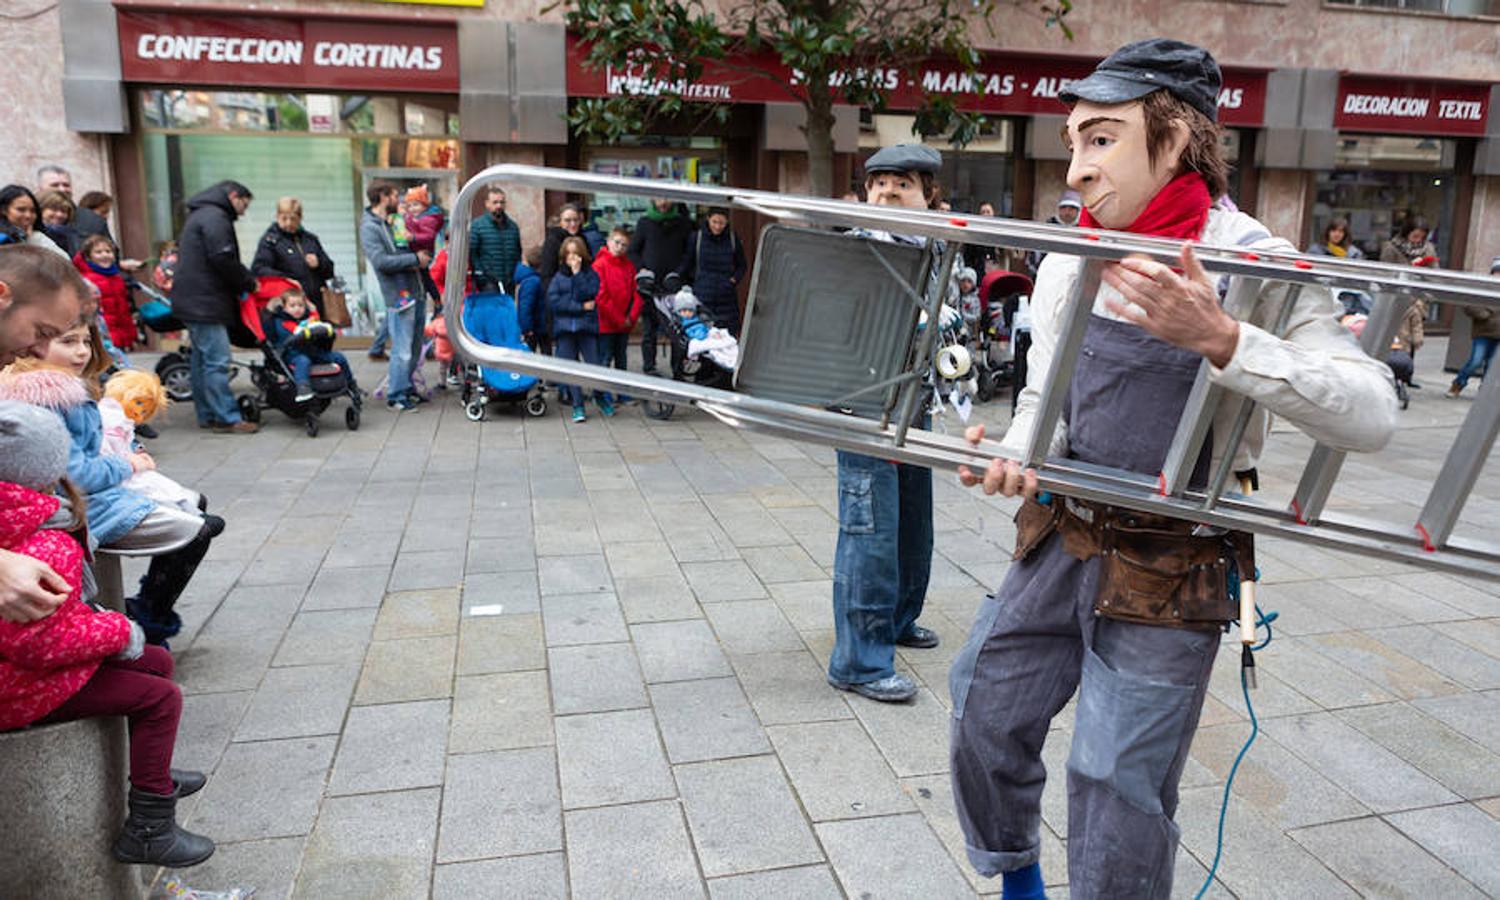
x=1128 y=609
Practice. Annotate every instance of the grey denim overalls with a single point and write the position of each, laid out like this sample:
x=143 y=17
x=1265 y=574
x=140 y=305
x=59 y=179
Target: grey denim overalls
x=1141 y=687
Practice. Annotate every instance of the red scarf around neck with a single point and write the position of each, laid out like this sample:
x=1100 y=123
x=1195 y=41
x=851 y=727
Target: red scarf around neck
x=1179 y=210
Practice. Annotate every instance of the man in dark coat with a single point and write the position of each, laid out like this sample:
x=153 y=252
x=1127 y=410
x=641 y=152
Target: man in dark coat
x=206 y=292
x=495 y=245
x=660 y=244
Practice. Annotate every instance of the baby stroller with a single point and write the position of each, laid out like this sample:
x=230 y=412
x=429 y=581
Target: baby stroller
x=995 y=360
x=699 y=369
x=272 y=376
x=492 y=318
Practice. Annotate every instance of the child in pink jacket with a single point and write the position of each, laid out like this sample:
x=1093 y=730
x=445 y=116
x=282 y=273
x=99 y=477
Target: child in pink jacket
x=80 y=662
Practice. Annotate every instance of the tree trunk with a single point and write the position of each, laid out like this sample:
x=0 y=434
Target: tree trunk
x=819 y=132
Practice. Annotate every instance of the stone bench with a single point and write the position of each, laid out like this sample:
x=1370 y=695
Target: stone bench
x=62 y=799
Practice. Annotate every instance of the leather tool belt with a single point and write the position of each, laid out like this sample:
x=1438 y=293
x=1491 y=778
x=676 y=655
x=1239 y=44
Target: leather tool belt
x=1153 y=569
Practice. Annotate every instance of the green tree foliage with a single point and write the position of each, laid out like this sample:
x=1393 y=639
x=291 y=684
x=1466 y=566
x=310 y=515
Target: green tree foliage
x=840 y=52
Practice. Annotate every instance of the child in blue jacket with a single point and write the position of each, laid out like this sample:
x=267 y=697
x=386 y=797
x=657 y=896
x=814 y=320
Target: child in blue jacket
x=531 y=306
x=572 y=298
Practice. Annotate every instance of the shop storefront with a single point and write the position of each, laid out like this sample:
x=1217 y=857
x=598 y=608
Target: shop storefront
x=1011 y=90
x=1405 y=149
x=309 y=108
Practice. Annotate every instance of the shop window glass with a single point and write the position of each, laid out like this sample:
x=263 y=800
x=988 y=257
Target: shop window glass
x=696 y=160
x=316 y=171
x=1383 y=191
x=194 y=110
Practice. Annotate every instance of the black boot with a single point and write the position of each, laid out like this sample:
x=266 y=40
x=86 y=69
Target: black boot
x=188 y=782
x=151 y=835
x=164 y=581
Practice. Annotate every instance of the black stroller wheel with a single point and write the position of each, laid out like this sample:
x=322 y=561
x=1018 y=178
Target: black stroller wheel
x=536 y=405
x=474 y=410
x=351 y=418
x=176 y=377
x=249 y=409
x=312 y=426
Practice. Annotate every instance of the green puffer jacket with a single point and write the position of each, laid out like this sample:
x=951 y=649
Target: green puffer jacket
x=495 y=248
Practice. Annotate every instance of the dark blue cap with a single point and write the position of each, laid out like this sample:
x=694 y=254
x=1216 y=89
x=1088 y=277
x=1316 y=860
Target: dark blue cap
x=1187 y=72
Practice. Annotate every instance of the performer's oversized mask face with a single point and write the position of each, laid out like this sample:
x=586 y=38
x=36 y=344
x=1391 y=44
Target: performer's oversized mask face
x=1112 y=168
x=895 y=189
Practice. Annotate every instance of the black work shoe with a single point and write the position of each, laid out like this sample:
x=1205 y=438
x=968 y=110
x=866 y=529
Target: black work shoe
x=919 y=637
x=152 y=836
x=146 y=431
x=891 y=689
x=188 y=782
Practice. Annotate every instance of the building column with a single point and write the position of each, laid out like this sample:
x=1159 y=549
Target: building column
x=1282 y=202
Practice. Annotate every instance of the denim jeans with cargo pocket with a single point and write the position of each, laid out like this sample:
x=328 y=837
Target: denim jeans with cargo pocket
x=881 y=565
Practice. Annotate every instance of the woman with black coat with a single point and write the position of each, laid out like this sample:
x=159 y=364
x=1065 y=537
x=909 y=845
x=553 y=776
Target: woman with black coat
x=287 y=250
x=714 y=265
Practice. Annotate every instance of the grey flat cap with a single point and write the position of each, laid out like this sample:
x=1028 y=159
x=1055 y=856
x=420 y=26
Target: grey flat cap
x=1187 y=72
x=34 y=445
x=905 y=158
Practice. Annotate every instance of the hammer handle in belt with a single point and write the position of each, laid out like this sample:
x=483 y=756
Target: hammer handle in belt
x=1247 y=592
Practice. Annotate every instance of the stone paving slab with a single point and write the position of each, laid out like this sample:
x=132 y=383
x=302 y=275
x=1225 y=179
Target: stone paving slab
x=609 y=758
x=865 y=868
x=640 y=850
x=678 y=651
x=392 y=747
x=595 y=678
x=542 y=877
x=1378 y=861
x=526 y=658
x=372 y=845
x=743 y=816
x=504 y=803
x=707 y=719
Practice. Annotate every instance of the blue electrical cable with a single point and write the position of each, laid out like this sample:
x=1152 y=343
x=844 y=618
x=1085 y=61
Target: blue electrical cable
x=1261 y=619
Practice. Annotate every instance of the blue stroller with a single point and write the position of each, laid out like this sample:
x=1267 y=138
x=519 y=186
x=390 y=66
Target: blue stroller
x=492 y=319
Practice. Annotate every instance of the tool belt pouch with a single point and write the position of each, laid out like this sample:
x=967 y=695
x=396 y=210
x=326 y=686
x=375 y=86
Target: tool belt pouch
x=1169 y=578
x=1034 y=524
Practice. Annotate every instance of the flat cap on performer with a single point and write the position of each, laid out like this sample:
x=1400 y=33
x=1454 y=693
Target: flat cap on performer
x=905 y=158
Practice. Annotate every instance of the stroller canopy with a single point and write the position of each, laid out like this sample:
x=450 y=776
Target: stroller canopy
x=1001 y=283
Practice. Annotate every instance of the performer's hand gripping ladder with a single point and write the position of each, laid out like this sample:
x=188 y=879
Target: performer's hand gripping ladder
x=1428 y=542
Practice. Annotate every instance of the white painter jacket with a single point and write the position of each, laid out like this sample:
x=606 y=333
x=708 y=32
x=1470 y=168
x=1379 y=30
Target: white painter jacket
x=1316 y=377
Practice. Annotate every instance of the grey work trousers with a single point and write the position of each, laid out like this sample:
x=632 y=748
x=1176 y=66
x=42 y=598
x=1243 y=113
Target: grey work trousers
x=1141 y=688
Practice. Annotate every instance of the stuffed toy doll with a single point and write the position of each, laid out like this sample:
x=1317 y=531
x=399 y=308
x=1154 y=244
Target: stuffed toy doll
x=132 y=398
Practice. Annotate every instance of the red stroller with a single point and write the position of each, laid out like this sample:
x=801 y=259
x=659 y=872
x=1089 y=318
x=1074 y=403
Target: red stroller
x=995 y=361
x=274 y=385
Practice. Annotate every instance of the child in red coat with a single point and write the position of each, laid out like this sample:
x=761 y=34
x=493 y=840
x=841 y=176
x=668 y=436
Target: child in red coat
x=79 y=662
x=619 y=304
x=96 y=261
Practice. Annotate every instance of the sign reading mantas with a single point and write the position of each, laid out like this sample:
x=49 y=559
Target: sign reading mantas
x=188 y=49
x=1411 y=107
x=1004 y=84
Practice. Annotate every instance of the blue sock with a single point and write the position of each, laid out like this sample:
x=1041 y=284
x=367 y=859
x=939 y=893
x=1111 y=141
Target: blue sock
x=1023 y=884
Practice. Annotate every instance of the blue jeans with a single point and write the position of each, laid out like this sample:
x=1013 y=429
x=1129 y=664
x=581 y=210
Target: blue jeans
x=382 y=337
x=406 y=347
x=612 y=348
x=1481 y=354
x=302 y=361
x=208 y=367
x=582 y=345
x=881 y=565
